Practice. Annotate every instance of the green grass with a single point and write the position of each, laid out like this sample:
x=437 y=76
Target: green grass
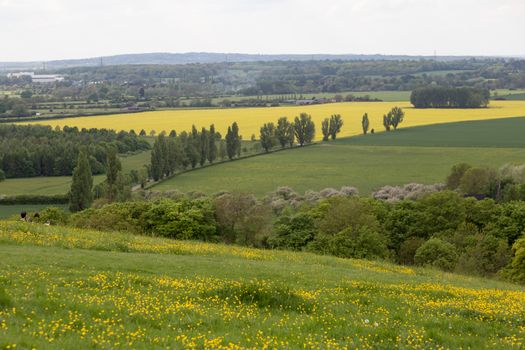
x=387 y=96
x=336 y=165
x=61 y=184
x=420 y=154
x=495 y=133
x=8 y=211
x=121 y=291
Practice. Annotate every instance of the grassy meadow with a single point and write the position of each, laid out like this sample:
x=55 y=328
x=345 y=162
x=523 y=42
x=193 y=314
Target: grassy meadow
x=118 y=291
x=251 y=119
x=338 y=164
x=419 y=154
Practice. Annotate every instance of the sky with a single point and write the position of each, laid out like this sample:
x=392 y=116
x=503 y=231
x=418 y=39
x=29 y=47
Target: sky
x=37 y=30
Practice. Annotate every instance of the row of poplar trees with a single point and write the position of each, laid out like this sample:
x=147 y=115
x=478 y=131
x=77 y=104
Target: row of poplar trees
x=286 y=133
x=173 y=152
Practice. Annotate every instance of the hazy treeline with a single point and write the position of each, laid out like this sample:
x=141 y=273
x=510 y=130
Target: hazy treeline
x=27 y=151
x=447 y=97
x=170 y=82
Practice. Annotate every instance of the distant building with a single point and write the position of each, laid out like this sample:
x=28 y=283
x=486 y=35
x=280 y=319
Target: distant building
x=37 y=78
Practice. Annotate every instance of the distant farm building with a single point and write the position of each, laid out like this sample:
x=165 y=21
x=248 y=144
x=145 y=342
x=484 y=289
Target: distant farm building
x=37 y=78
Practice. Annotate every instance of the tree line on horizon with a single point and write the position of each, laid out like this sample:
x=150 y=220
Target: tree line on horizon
x=449 y=97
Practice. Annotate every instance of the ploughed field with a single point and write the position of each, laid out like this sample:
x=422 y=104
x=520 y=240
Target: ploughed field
x=251 y=119
x=63 y=288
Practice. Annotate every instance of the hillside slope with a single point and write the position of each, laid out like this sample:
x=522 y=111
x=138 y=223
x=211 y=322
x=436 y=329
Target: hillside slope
x=121 y=291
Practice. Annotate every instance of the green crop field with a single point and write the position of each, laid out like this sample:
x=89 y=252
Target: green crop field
x=60 y=184
x=118 y=291
x=494 y=133
x=336 y=165
x=422 y=154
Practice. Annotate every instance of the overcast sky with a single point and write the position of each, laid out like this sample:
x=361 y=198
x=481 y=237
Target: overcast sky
x=57 y=29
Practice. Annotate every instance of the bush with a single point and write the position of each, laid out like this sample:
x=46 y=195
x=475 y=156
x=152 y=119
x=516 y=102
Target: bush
x=437 y=253
x=359 y=243
x=2 y=175
x=182 y=219
x=456 y=173
x=475 y=181
x=53 y=216
x=408 y=249
x=485 y=256
x=293 y=232
x=515 y=271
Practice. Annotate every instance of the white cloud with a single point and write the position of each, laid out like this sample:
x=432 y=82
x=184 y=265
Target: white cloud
x=50 y=29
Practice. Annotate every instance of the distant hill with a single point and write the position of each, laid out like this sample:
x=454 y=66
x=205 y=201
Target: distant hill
x=202 y=57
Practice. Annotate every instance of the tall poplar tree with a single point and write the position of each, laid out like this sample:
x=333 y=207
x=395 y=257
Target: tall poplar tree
x=212 y=144
x=80 y=194
x=113 y=168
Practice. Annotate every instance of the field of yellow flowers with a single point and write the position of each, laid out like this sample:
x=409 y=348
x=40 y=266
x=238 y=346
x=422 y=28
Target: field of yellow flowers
x=64 y=288
x=251 y=119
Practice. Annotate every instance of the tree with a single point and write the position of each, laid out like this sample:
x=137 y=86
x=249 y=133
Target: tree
x=230 y=144
x=142 y=132
x=336 y=123
x=325 y=128
x=268 y=136
x=396 y=117
x=365 y=123
x=222 y=150
x=212 y=144
x=456 y=173
x=304 y=129
x=233 y=141
x=284 y=132
x=159 y=158
x=113 y=169
x=437 y=253
x=80 y=194
x=173 y=133
x=387 y=121
x=475 y=181
x=236 y=138
x=141 y=92
x=203 y=146
x=2 y=175
x=26 y=94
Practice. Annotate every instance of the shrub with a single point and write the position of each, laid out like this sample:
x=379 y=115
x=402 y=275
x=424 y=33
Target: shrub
x=411 y=191
x=515 y=271
x=359 y=243
x=293 y=232
x=485 y=256
x=182 y=219
x=338 y=213
x=456 y=173
x=475 y=181
x=53 y=216
x=408 y=249
x=436 y=253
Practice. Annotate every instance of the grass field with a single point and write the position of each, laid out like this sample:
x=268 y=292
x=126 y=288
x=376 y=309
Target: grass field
x=251 y=119
x=117 y=291
x=367 y=162
x=336 y=165
x=61 y=184
x=8 y=211
x=494 y=133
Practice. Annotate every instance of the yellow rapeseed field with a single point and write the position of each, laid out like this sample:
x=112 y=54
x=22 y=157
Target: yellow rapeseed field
x=251 y=119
